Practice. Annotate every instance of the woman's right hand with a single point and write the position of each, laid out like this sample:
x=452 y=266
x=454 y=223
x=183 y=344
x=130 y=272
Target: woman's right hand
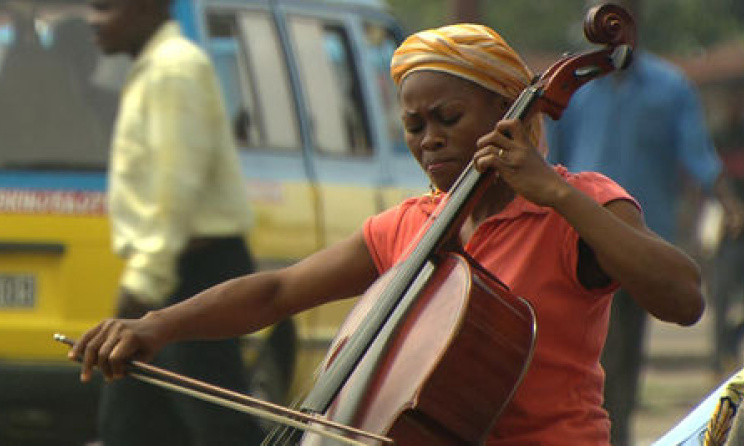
x=114 y=343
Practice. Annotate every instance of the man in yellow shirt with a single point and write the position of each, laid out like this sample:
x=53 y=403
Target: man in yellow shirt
x=179 y=211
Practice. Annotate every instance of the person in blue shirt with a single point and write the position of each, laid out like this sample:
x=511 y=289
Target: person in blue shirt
x=641 y=127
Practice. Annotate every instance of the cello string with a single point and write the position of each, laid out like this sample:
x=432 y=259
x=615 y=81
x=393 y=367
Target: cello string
x=270 y=436
x=281 y=434
x=285 y=434
x=278 y=436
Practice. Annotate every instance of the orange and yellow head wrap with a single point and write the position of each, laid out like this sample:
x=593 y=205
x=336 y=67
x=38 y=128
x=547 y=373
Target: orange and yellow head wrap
x=469 y=51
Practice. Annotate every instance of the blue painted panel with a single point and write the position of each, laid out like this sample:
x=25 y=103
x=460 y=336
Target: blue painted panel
x=28 y=179
x=184 y=12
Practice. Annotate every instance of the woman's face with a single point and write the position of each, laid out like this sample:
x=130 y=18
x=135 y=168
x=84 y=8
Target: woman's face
x=443 y=117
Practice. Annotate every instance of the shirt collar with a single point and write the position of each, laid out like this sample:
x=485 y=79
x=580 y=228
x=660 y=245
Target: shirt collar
x=167 y=30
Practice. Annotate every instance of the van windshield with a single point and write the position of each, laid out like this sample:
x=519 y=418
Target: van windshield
x=58 y=95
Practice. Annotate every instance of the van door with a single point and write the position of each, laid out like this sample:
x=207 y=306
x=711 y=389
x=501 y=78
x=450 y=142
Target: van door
x=402 y=176
x=249 y=58
x=343 y=100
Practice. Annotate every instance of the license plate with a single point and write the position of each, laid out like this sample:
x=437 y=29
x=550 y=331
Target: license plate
x=17 y=290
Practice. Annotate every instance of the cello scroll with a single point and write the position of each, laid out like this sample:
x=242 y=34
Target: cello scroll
x=608 y=25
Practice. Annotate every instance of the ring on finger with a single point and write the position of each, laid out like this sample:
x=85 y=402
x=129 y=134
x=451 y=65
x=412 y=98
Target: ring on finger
x=501 y=152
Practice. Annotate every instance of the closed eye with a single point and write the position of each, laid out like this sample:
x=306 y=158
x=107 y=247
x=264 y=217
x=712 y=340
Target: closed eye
x=412 y=125
x=449 y=119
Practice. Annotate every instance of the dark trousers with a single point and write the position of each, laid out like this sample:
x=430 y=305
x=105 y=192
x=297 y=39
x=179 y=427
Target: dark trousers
x=728 y=294
x=133 y=413
x=622 y=359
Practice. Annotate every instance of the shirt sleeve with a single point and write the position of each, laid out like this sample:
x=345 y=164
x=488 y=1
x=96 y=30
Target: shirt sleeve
x=603 y=190
x=698 y=153
x=377 y=231
x=392 y=234
x=180 y=130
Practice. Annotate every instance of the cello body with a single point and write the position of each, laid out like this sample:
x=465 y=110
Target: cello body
x=452 y=365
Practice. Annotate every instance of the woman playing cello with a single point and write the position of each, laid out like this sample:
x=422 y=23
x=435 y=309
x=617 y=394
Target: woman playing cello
x=565 y=241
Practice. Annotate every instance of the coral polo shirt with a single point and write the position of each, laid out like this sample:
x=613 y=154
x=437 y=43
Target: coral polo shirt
x=535 y=252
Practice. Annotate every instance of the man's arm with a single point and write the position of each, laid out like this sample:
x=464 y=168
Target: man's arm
x=733 y=208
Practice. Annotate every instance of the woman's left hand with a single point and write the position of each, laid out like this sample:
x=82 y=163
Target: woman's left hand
x=519 y=163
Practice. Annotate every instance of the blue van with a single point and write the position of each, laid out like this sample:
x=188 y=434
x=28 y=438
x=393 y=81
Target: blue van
x=314 y=114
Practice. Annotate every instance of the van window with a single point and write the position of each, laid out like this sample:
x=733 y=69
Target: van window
x=330 y=82
x=249 y=62
x=58 y=95
x=381 y=44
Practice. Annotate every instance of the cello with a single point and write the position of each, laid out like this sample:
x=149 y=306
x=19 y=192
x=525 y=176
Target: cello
x=386 y=373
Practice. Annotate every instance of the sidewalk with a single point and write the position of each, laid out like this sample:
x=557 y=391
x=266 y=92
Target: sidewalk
x=677 y=376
